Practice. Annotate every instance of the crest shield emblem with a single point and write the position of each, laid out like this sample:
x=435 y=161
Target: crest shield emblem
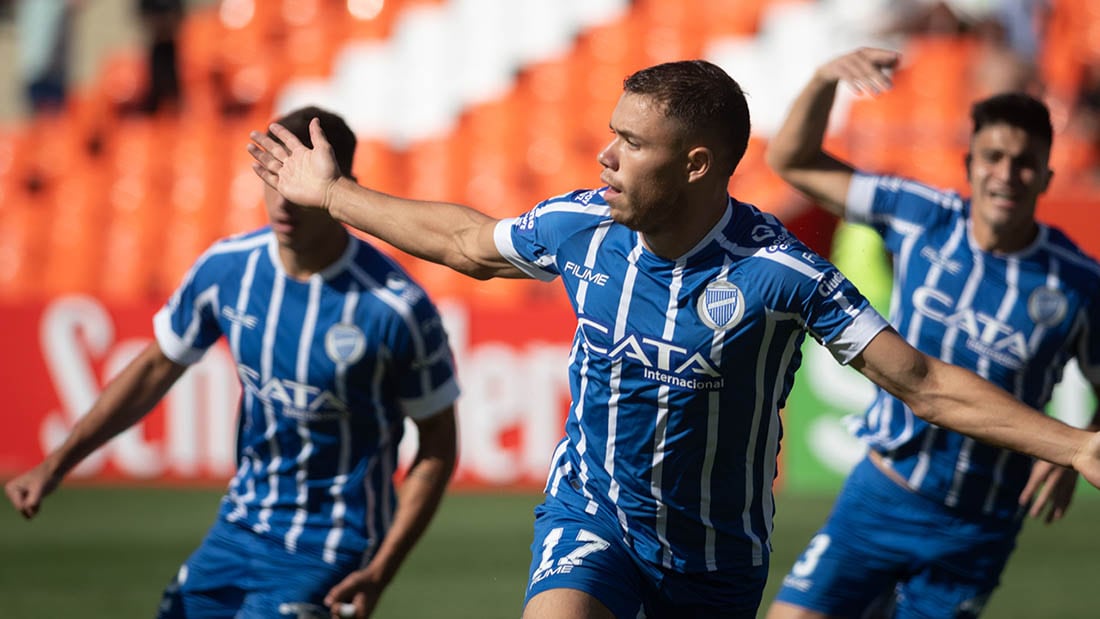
x=345 y=343
x=721 y=306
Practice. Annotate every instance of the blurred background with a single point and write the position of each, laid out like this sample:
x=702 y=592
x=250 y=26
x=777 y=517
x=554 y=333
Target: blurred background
x=123 y=126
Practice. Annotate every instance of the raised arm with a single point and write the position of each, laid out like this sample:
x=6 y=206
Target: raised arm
x=420 y=496
x=960 y=400
x=453 y=235
x=796 y=153
x=124 y=401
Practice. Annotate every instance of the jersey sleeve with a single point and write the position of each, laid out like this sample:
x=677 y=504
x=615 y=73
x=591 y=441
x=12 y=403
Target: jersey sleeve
x=187 y=325
x=801 y=283
x=839 y=317
x=424 y=366
x=896 y=207
x=531 y=242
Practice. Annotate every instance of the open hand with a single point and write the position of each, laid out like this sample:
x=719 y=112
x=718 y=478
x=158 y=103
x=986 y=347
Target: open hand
x=1087 y=460
x=301 y=174
x=1052 y=487
x=866 y=70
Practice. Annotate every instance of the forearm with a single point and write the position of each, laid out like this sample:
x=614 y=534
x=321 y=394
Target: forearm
x=959 y=400
x=439 y=232
x=798 y=142
x=123 y=402
x=420 y=496
x=796 y=151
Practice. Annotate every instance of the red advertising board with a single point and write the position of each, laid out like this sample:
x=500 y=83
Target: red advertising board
x=60 y=354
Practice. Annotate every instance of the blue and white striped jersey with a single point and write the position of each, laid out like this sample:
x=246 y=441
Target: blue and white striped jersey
x=1015 y=319
x=679 y=369
x=329 y=369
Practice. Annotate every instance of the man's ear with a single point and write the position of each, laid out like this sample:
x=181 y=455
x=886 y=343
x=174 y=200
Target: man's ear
x=966 y=162
x=1046 y=183
x=700 y=161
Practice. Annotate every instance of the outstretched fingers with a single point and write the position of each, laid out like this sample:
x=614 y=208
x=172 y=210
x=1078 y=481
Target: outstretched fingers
x=267 y=176
x=317 y=135
x=284 y=135
x=867 y=69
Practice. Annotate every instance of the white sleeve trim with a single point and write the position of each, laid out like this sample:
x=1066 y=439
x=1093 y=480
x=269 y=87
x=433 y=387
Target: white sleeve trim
x=502 y=235
x=857 y=335
x=171 y=344
x=861 y=195
x=431 y=404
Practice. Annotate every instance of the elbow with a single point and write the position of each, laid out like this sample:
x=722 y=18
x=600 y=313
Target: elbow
x=777 y=160
x=474 y=269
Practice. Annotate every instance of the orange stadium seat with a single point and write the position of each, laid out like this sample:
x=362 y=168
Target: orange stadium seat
x=492 y=140
x=877 y=131
x=432 y=169
x=728 y=18
x=122 y=80
x=671 y=30
x=308 y=50
x=936 y=78
x=23 y=226
x=145 y=214
x=607 y=57
x=377 y=165
x=75 y=234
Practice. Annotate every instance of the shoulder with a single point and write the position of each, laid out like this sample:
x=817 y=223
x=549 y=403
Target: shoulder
x=238 y=245
x=755 y=232
x=904 y=195
x=578 y=205
x=228 y=255
x=1079 y=265
x=762 y=237
x=384 y=280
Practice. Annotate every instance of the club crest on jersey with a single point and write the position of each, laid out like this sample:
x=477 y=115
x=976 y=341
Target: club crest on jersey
x=345 y=343
x=1047 y=306
x=721 y=306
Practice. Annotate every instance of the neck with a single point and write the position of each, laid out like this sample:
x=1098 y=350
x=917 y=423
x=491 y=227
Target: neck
x=689 y=226
x=1006 y=240
x=301 y=263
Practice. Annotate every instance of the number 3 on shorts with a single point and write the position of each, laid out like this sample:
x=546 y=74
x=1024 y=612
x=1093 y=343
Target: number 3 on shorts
x=806 y=564
x=590 y=543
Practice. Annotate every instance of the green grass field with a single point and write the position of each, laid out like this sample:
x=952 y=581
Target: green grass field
x=107 y=552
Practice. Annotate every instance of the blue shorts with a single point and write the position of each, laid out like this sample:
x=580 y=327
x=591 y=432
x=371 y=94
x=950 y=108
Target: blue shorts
x=575 y=550
x=883 y=539
x=236 y=573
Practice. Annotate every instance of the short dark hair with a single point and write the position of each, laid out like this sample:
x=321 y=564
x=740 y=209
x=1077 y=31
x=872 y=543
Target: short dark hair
x=337 y=132
x=1015 y=109
x=703 y=97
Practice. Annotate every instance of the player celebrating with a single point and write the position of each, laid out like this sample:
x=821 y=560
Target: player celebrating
x=691 y=307
x=334 y=347
x=978 y=283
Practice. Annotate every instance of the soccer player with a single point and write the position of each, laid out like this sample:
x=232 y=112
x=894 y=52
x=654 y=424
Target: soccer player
x=979 y=283
x=335 y=347
x=691 y=307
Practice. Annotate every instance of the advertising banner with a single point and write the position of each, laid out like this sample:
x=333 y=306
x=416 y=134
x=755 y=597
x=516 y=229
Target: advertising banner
x=60 y=354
